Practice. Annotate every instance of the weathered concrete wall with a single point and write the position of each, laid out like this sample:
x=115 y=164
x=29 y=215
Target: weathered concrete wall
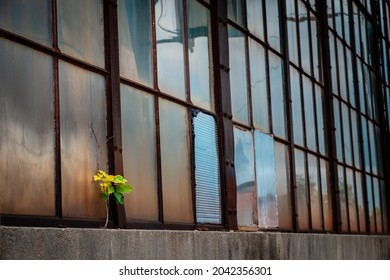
x=55 y=243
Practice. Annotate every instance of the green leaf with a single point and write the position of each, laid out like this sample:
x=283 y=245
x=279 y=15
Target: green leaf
x=104 y=196
x=118 y=198
x=124 y=188
x=118 y=179
x=110 y=189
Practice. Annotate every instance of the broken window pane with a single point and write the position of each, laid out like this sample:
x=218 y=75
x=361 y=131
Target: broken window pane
x=83 y=140
x=27 y=131
x=245 y=177
x=139 y=153
x=135 y=47
x=81 y=30
x=265 y=181
x=207 y=182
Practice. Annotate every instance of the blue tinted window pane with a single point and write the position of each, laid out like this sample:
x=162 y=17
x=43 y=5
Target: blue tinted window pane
x=254 y=11
x=295 y=85
x=236 y=11
x=207 y=182
x=272 y=8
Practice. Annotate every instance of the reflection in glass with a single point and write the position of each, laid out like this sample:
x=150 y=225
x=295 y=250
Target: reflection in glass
x=316 y=48
x=338 y=17
x=342 y=199
x=81 y=30
x=273 y=29
x=245 y=177
x=356 y=28
x=302 y=195
x=346 y=134
x=238 y=85
x=277 y=95
x=366 y=149
x=254 y=13
x=350 y=80
x=337 y=121
x=361 y=86
x=175 y=163
x=351 y=201
x=135 y=48
x=341 y=66
x=360 y=202
x=309 y=114
x=326 y=196
x=265 y=181
x=373 y=141
x=370 y=201
x=321 y=131
x=292 y=31
x=170 y=56
x=295 y=85
x=304 y=36
x=207 y=181
x=283 y=188
x=139 y=153
x=235 y=9
x=199 y=55
x=378 y=208
x=83 y=140
x=333 y=70
x=315 y=195
x=384 y=206
x=355 y=138
x=30 y=19
x=346 y=14
x=258 y=86
x=27 y=131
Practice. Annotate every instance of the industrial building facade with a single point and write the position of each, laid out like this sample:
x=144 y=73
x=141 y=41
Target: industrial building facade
x=251 y=115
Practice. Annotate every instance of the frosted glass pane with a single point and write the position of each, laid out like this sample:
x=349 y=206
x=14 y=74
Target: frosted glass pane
x=170 y=56
x=207 y=181
x=135 y=41
x=302 y=196
x=296 y=105
x=283 y=188
x=326 y=196
x=139 y=153
x=259 y=86
x=199 y=55
x=272 y=8
x=83 y=140
x=175 y=163
x=27 y=131
x=265 y=181
x=360 y=202
x=277 y=95
x=254 y=13
x=238 y=85
x=245 y=177
x=315 y=198
x=309 y=114
x=80 y=30
x=343 y=200
x=30 y=19
x=353 y=222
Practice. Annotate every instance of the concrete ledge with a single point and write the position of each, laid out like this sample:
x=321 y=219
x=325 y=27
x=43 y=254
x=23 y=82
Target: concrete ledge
x=72 y=243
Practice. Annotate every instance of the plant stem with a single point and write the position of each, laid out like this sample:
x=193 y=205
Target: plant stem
x=105 y=226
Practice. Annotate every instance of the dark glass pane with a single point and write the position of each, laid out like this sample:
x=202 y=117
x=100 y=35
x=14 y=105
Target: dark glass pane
x=357 y=29
x=295 y=87
x=370 y=200
x=139 y=153
x=353 y=219
x=265 y=181
x=366 y=145
x=342 y=74
x=332 y=53
x=338 y=17
x=199 y=55
x=343 y=199
x=385 y=205
x=272 y=13
x=361 y=86
x=135 y=47
x=259 y=86
x=329 y=5
x=236 y=11
x=81 y=30
x=316 y=48
x=373 y=141
x=27 y=163
x=339 y=147
x=283 y=188
x=350 y=80
x=360 y=202
x=309 y=114
x=378 y=208
x=302 y=195
x=30 y=19
x=175 y=163
x=315 y=197
x=321 y=130
x=238 y=84
x=355 y=139
x=254 y=13
x=170 y=49
x=326 y=196
x=346 y=20
x=346 y=134
x=207 y=181
x=83 y=140
x=245 y=177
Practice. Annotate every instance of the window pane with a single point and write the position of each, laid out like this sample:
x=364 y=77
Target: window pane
x=336 y=110
x=175 y=163
x=373 y=141
x=283 y=188
x=346 y=21
x=236 y=11
x=245 y=176
x=343 y=200
x=342 y=74
x=304 y=36
x=277 y=95
x=360 y=202
x=350 y=80
x=338 y=16
x=207 y=182
x=272 y=8
x=366 y=145
x=238 y=84
x=27 y=131
x=316 y=48
x=83 y=136
x=81 y=31
x=30 y=19
x=384 y=206
x=326 y=196
x=199 y=55
x=139 y=153
x=347 y=134
x=321 y=130
x=370 y=198
x=300 y=182
x=332 y=54
x=355 y=138
x=316 y=215
x=378 y=208
x=292 y=31
x=170 y=56
x=295 y=86
x=259 y=86
x=309 y=114
x=351 y=201
x=254 y=11
x=135 y=48
x=265 y=181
